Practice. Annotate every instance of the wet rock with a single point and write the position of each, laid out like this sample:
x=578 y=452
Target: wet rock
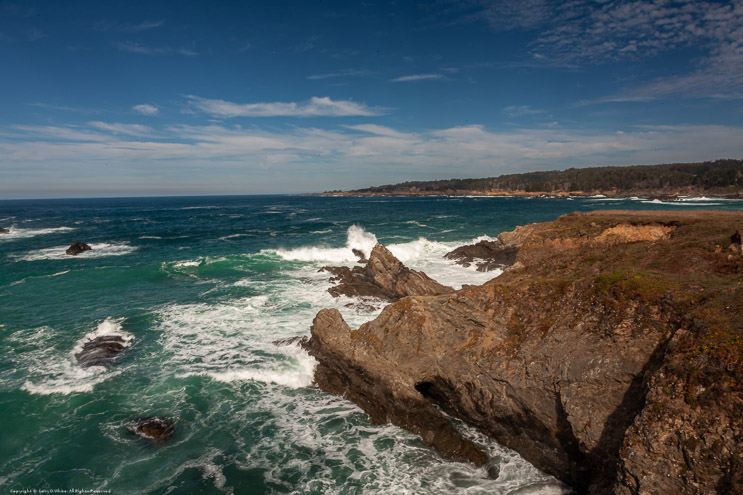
x=382 y=277
x=487 y=255
x=77 y=248
x=359 y=254
x=101 y=351
x=291 y=341
x=156 y=428
x=4 y=231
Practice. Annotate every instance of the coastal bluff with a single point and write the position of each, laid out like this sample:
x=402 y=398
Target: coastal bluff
x=610 y=354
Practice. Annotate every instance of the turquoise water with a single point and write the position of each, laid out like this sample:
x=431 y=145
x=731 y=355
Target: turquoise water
x=200 y=288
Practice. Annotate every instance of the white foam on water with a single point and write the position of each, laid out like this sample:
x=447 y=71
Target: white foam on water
x=337 y=442
x=52 y=371
x=356 y=238
x=199 y=207
x=653 y=201
x=20 y=233
x=98 y=250
x=150 y=237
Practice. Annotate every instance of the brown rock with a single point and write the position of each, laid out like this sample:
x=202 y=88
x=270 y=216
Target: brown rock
x=153 y=428
x=4 y=231
x=383 y=277
x=77 y=248
x=606 y=368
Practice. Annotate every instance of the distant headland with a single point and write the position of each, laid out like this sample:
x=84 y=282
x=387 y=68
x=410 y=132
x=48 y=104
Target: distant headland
x=719 y=178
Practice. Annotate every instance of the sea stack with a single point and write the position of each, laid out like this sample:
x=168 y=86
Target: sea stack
x=77 y=248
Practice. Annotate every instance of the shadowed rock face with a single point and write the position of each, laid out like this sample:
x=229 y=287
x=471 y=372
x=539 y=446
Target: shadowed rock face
x=487 y=255
x=77 y=248
x=153 y=428
x=609 y=356
x=101 y=351
x=383 y=277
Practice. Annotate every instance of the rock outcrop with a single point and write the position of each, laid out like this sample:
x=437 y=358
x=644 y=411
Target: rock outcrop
x=101 y=351
x=383 y=277
x=611 y=358
x=487 y=255
x=153 y=428
x=77 y=248
x=4 y=231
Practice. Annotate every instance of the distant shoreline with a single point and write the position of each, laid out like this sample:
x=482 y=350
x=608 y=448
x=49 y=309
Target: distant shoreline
x=660 y=195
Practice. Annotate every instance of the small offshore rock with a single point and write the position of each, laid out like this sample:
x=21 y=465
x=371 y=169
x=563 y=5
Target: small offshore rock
x=4 y=231
x=153 y=428
x=77 y=248
x=100 y=351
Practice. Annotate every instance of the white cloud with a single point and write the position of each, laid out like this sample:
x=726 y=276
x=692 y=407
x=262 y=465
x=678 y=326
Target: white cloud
x=134 y=47
x=340 y=73
x=581 y=32
x=315 y=107
x=520 y=110
x=127 y=129
x=145 y=25
x=370 y=150
x=417 y=77
x=146 y=109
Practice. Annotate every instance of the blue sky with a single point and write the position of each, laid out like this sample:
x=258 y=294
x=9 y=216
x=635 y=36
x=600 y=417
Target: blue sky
x=162 y=98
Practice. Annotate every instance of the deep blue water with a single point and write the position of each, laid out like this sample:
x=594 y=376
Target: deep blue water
x=200 y=287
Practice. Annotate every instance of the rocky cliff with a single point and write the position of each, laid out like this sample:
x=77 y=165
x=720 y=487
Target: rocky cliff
x=610 y=354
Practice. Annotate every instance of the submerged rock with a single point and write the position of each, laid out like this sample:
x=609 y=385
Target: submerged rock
x=77 y=248
x=610 y=359
x=153 y=428
x=383 y=277
x=101 y=351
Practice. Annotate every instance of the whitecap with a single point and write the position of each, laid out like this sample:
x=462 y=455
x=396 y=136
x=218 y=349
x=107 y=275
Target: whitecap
x=356 y=238
x=54 y=372
x=98 y=250
x=16 y=233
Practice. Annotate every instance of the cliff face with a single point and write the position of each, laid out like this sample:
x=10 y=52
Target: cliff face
x=610 y=355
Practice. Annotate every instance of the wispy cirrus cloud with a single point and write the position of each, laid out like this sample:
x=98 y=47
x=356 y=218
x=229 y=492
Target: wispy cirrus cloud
x=587 y=32
x=126 y=129
x=520 y=110
x=145 y=25
x=315 y=107
x=340 y=73
x=417 y=77
x=146 y=109
x=134 y=47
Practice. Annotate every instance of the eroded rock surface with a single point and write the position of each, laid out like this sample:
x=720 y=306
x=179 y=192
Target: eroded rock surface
x=611 y=357
x=383 y=277
x=156 y=428
x=77 y=248
x=101 y=351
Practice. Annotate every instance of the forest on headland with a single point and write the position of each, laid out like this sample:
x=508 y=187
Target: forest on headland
x=720 y=178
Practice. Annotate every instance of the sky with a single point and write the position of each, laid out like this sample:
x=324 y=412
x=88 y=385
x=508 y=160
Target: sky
x=151 y=98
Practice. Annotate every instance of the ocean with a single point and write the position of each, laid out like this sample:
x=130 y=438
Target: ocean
x=199 y=289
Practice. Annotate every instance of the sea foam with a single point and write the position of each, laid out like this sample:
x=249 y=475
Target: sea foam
x=51 y=371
